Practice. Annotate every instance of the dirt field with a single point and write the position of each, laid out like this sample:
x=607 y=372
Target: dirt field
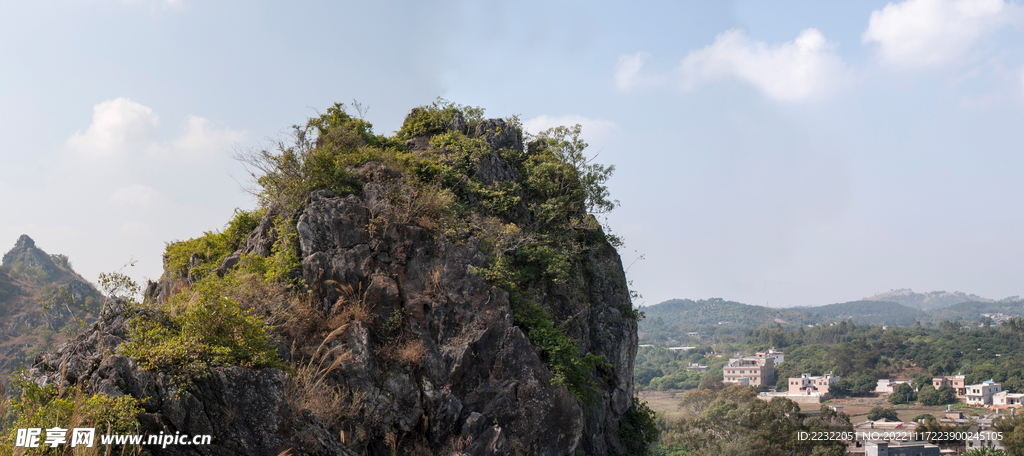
x=667 y=403
x=664 y=402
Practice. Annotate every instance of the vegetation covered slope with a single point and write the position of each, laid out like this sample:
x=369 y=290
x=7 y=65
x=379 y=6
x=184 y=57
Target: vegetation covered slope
x=866 y=312
x=43 y=302
x=930 y=300
x=716 y=311
x=444 y=289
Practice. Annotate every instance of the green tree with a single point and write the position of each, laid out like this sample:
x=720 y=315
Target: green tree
x=879 y=412
x=923 y=416
x=1012 y=427
x=638 y=430
x=902 y=394
x=920 y=381
x=928 y=395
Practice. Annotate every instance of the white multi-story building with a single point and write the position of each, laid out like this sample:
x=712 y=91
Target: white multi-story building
x=981 y=394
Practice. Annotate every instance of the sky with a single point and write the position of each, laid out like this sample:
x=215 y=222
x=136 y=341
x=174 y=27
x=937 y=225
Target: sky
x=776 y=153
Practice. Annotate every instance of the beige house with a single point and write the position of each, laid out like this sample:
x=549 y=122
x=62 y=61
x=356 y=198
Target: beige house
x=956 y=382
x=812 y=384
x=750 y=371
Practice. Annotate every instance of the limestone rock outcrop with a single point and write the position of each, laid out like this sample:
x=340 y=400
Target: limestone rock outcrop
x=434 y=364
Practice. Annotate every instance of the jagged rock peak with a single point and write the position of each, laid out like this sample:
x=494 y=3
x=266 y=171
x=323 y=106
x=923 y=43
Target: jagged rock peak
x=26 y=252
x=25 y=242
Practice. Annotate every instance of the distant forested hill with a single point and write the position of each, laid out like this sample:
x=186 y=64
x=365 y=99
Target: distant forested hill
x=930 y=300
x=866 y=312
x=972 y=311
x=716 y=311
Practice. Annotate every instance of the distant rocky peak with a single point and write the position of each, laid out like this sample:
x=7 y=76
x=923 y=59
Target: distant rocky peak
x=26 y=253
x=25 y=242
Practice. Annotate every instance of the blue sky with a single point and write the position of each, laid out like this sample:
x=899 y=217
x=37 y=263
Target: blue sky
x=789 y=153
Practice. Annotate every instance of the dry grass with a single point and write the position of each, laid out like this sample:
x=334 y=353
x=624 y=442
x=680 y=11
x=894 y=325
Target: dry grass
x=457 y=446
x=352 y=306
x=396 y=202
x=411 y=352
x=391 y=440
x=435 y=280
x=665 y=403
x=311 y=388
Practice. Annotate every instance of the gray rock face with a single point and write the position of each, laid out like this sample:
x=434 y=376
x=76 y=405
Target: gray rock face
x=499 y=134
x=476 y=367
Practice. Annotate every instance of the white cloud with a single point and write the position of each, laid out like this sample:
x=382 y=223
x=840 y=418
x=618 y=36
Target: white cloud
x=122 y=127
x=198 y=141
x=627 y=71
x=929 y=32
x=804 y=68
x=138 y=195
x=594 y=130
x=118 y=126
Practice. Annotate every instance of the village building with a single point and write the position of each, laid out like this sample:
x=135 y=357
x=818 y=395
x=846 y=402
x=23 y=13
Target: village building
x=806 y=383
x=772 y=352
x=1007 y=399
x=955 y=382
x=901 y=449
x=750 y=371
x=887 y=386
x=981 y=394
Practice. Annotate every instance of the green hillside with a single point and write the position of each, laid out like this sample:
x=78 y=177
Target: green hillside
x=716 y=311
x=43 y=302
x=972 y=311
x=866 y=312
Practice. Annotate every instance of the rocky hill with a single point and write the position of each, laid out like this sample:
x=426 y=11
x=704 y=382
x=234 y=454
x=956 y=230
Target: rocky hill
x=43 y=302
x=445 y=290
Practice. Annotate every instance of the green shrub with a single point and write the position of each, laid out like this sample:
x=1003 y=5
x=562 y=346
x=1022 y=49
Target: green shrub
x=638 y=429
x=204 y=329
x=336 y=128
x=435 y=118
x=558 y=350
x=38 y=407
x=212 y=247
